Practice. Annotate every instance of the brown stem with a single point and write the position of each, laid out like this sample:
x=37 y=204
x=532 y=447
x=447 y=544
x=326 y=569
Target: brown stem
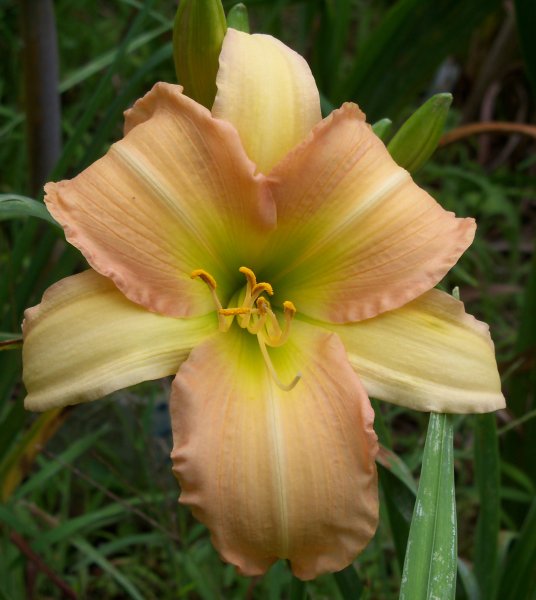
x=487 y=127
x=41 y=565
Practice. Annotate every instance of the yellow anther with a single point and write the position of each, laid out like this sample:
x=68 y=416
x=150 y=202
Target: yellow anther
x=231 y=312
x=260 y=321
x=289 y=308
x=263 y=305
x=250 y=276
x=204 y=276
x=262 y=287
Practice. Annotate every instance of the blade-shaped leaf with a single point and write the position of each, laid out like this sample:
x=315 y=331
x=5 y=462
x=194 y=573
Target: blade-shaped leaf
x=519 y=576
x=430 y=564
x=398 y=59
x=348 y=583
x=13 y=206
x=488 y=479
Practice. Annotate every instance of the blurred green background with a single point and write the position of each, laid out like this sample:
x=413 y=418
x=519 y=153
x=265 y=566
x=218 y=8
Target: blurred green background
x=89 y=503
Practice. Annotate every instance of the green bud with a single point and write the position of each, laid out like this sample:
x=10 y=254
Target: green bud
x=419 y=136
x=237 y=18
x=382 y=128
x=198 y=35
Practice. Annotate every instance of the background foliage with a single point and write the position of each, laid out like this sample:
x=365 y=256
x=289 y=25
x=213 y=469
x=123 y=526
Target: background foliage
x=89 y=504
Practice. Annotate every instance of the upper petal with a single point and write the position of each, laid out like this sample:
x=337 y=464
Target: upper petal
x=356 y=236
x=267 y=91
x=428 y=355
x=86 y=340
x=178 y=193
x=276 y=474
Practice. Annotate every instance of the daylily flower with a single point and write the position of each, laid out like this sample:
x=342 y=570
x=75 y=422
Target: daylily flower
x=282 y=267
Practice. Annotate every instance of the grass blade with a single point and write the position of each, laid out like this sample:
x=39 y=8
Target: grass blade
x=399 y=57
x=430 y=564
x=488 y=480
x=14 y=206
x=519 y=576
x=348 y=583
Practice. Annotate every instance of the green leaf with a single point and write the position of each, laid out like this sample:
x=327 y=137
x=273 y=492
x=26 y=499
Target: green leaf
x=430 y=564
x=298 y=589
x=92 y=553
x=348 y=583
x=104 y=60
x=488 y=480
x=198 y=34
x=397 y=61
x=59 y=463
x=13 y=206
x=398 y=502
x=237 y=18
x=392 y=462
x=419 y=136
x=526 y=20
x=519 y=575
x=468 y=581
x=382 y=128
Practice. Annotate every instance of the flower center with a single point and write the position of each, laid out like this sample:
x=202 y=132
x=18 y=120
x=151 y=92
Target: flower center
x=256 y=315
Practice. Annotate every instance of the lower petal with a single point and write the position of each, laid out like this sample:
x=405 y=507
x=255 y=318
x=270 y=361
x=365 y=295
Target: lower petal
x=276 y=474
x=428 y=355
x=86 y=340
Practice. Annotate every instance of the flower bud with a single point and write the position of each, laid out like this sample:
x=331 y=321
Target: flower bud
x=382 y=128
x=419 y=136
x=198 y=35
x=237 y=18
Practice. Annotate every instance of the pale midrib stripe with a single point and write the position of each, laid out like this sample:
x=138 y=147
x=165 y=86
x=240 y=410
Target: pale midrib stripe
x=274 y=420
x=349 y=220
x=144 y=172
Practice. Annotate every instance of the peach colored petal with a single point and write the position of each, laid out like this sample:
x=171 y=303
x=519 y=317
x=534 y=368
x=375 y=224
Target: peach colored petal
x=178 y=193
x=268 y=93
x=428 y=355
x=276 y=474
x=356 y=236
x=86 y=340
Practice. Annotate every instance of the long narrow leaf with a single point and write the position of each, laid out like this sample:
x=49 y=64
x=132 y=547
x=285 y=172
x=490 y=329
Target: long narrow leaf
x=348 y=583
x=13 y=206
x=519 y=575
x=488 y=479
x=430 y=565
x=401 y=55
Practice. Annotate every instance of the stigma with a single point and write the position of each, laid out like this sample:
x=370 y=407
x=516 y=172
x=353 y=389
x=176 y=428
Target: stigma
x=255 y=314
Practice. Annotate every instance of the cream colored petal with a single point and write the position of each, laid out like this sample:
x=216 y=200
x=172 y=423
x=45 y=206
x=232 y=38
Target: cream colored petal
x=268 y=93
x=86 y=340
x=178 y=193
x=356 y=236
x=428 y=355
x=276 y=474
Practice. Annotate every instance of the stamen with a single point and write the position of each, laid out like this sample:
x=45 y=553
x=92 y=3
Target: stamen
x=206 y=277
x=271 y=369
x=250 y=276
x=289 y=308
x=231 y=312
x=260 y=288
x=260 y=321
x=289 y=312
